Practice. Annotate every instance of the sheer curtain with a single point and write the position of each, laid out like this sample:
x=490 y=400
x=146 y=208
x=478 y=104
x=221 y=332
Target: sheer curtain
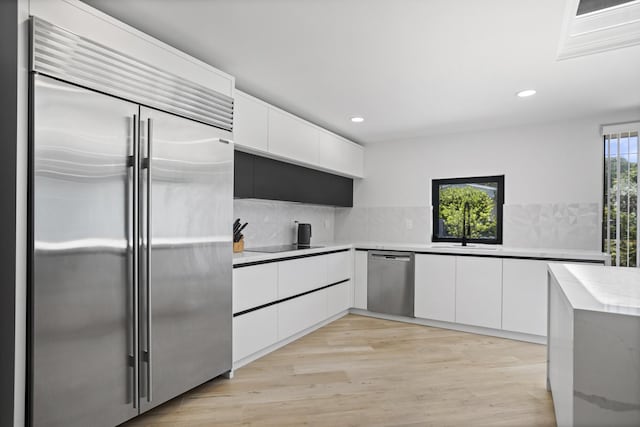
x=620 y=200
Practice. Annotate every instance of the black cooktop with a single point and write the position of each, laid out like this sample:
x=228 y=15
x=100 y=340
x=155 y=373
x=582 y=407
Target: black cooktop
x=280 y=248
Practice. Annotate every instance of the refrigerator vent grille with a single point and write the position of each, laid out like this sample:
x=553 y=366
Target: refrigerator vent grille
x=64 y=55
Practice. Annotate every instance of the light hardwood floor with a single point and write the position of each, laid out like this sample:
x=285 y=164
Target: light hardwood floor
x=361 y=371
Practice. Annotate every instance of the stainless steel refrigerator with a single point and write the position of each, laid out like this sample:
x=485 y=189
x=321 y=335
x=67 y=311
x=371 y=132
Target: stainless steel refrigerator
x=130 y=287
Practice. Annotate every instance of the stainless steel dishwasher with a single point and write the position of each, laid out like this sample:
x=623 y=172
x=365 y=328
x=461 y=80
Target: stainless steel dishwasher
x=390 y=282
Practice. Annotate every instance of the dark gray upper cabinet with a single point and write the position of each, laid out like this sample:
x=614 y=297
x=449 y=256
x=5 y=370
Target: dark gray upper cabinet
x=262 y=178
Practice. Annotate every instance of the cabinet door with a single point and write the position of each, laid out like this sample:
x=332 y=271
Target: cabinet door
x=338 y=298
x=524 y=296
x=243 y=175
x=254 y=331
x=276 y=180
x=254 y=286
x=250 y=122
x=435 y=294
x=301 y=275
x=292 y=138
x=340 y=155
x=339 y=266
x=360 y=280
x=301 y=313
x=479 y=291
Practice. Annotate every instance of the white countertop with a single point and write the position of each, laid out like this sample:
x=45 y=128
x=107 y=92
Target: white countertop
x=602 y=289
x=248 y=256
x=472 y=249
x=493 y=250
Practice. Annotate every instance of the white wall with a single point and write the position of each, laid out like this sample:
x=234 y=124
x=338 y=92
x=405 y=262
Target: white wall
x=553 y=182
x=555 y=162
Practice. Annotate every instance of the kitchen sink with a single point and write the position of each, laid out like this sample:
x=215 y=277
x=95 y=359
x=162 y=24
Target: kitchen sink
x=474 y=247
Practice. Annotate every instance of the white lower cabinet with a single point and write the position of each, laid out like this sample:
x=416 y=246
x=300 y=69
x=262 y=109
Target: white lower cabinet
x=524 y=296
x=254 y=286
x=435 y=287
x=338 y=298
x=360 y=280
x=254 y=331
x=339 y=266
x=301 y=275
x=300 y=313
x=274 y=281
x=479 y=291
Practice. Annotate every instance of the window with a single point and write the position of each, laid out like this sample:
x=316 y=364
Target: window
x=485 y=197
x=620 y=199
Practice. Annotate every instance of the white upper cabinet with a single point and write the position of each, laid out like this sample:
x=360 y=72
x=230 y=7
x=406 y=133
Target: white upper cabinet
x=272 y=132
x=340 y=155
x=292 y=138
x=251 y=122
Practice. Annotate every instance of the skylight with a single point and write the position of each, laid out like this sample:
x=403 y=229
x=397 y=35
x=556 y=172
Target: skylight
x=588 y=6
x=593 y=26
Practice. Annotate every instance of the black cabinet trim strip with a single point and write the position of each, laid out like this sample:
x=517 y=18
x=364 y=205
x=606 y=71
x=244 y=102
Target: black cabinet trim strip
x=287 y=258
x=531 y=258
x=249 y=310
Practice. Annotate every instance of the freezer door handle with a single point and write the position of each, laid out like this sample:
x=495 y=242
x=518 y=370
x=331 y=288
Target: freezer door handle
x=133 y=244
x=147 y=246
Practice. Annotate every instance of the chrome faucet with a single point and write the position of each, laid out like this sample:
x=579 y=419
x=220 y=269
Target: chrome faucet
x=466 y=223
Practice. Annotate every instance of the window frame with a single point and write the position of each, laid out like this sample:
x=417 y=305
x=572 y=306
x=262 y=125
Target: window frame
x=435 y=204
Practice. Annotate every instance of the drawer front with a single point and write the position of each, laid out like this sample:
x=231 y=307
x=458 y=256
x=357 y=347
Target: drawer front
x=300 y=313
x=301 y=275
x=254 y=286
x=339 y=298
x=254 y=331
x=339 y=266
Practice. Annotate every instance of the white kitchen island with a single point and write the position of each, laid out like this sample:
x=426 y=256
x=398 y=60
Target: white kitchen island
x=593 y=353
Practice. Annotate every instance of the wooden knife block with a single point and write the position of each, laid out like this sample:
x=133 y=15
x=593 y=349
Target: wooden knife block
x=238 y=246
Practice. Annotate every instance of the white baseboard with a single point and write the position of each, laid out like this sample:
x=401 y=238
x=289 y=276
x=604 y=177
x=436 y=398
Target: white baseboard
x=258 y=354
x=518 y=336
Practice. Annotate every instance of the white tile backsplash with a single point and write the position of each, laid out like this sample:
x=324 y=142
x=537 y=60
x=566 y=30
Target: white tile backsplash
x=272 y=222
x=551 y=225
x=383 y=224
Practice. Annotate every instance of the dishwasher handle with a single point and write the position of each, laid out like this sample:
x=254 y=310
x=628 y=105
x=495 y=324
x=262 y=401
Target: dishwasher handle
x=403 y=258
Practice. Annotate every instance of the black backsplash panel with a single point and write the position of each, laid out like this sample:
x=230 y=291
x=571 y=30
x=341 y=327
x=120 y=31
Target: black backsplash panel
x=262 y=178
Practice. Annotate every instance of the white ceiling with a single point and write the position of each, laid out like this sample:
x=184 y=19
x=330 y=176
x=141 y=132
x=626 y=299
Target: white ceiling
x=410 y=67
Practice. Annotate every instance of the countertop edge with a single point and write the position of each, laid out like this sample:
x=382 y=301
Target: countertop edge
x=553 y=255
x=578 y=294
x=248 y=257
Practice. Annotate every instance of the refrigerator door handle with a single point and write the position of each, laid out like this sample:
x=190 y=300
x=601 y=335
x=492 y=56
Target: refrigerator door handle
x=135 y=164
x=147 y=245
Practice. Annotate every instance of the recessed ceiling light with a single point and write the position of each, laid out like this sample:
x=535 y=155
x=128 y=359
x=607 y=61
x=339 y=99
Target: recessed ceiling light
x=357 y=119
x=525 y=93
